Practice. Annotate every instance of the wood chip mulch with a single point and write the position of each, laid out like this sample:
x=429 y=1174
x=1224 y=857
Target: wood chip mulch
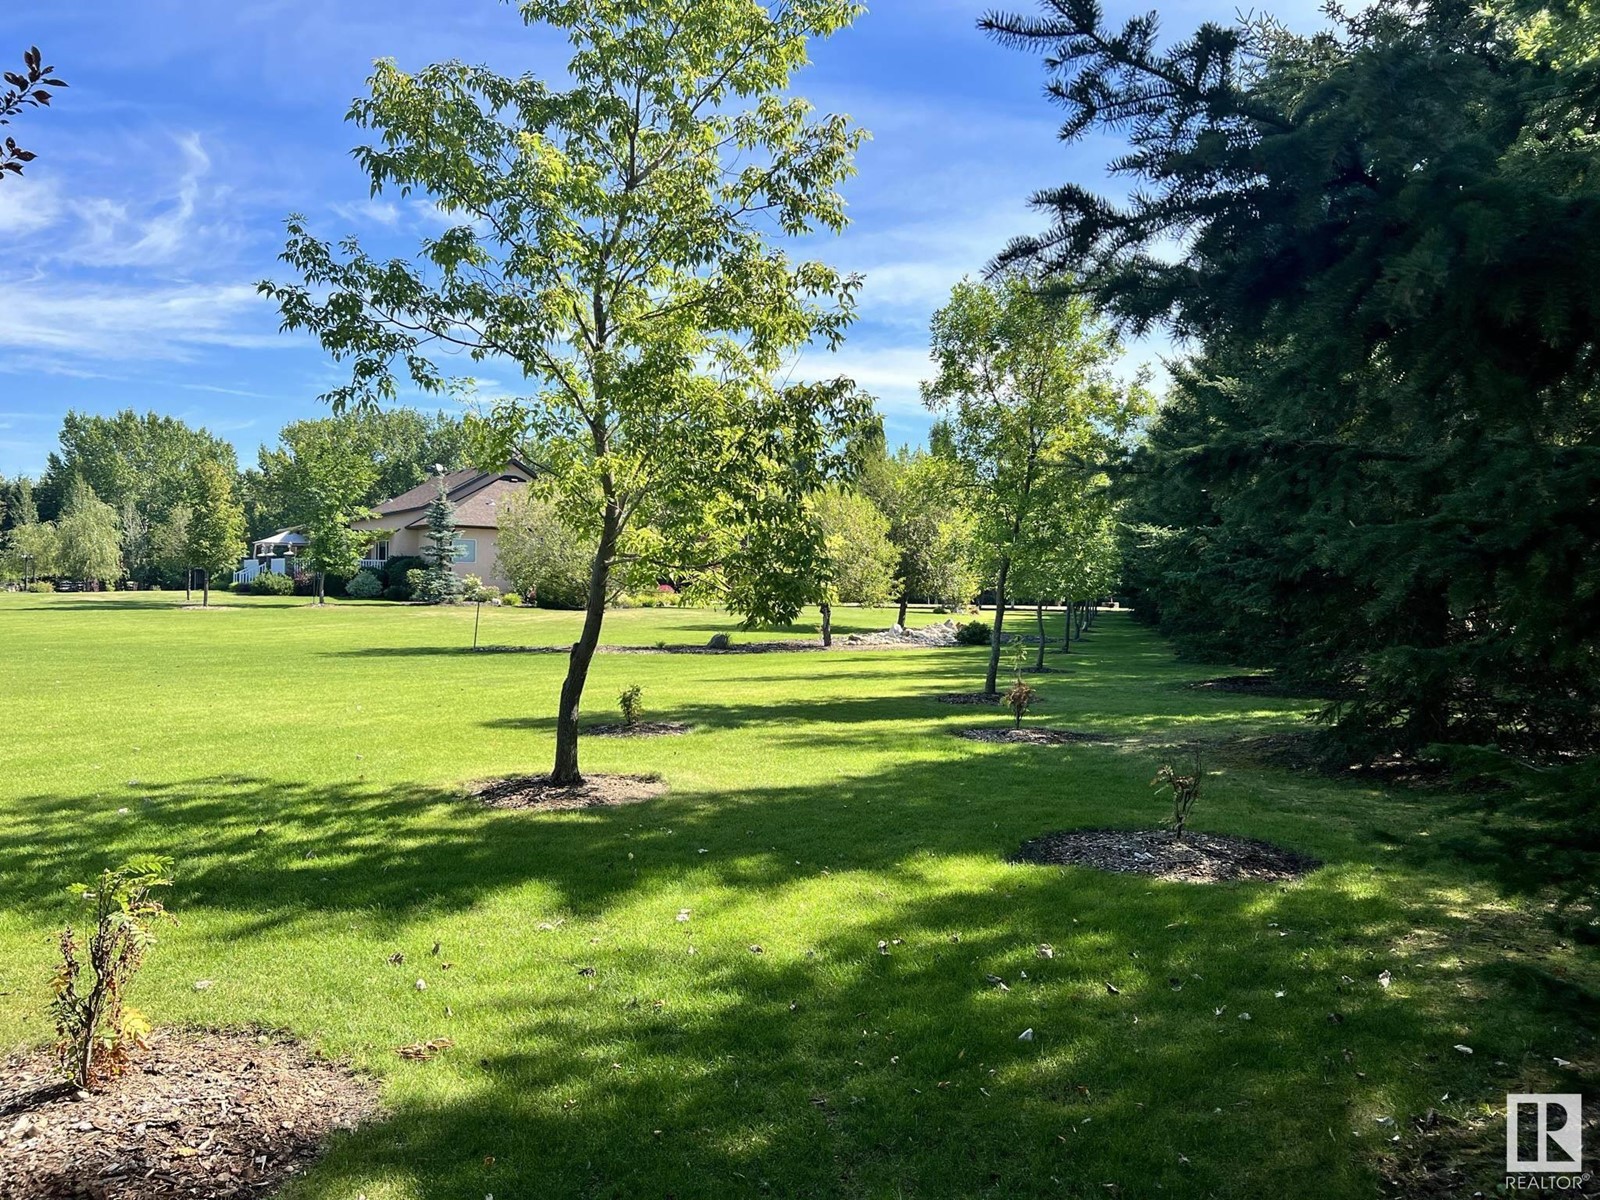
x=969 y=698
x=538 y=793
x=197 y=1115
x=1032 y=735
x=639 y=729
x=1199 y=858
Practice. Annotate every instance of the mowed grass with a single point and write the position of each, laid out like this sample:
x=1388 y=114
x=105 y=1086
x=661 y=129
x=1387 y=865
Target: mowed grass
x=303 y=767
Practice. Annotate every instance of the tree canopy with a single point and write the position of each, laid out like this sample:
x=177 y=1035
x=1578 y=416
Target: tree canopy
x=614 y=244
x=1028 y=412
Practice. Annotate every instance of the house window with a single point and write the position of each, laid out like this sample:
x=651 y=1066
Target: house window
x=466 y=550
x=380 y=551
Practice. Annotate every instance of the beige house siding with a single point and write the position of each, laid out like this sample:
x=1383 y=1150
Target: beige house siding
x=485 y=563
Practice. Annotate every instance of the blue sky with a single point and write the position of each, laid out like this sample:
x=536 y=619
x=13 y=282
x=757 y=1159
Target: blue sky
x=129 y=251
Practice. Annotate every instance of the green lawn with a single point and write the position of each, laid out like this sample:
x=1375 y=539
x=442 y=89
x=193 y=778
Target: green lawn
x=303 y=768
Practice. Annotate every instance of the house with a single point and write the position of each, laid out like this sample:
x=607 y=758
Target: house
x=401 y=523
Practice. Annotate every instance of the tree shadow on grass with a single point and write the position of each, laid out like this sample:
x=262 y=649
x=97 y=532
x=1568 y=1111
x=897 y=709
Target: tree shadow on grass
x=830 y=1068
x=824 y=1065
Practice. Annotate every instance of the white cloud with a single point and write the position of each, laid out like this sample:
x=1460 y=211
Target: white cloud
x=172 y=322
x=27 y=206
x=118 y=233
x=891 y=373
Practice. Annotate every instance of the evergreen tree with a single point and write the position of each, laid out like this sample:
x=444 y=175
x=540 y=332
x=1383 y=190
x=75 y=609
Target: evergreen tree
x=1376 y=470
x=440 y=583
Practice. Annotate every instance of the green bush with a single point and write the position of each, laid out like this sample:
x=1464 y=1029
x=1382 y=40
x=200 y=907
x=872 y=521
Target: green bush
x=269 y=584
x=511 y=599
x=974 y=633
x=631 y=701
x=397 y=593
x=394 y=571
x=41 y=586
x=364 y=586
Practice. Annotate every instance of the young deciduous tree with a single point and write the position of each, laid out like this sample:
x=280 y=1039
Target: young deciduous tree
x=216 y=526
x=615 y=244
x=332 y=474
x=31 y=550
x=1028 y=411
x=169 y=545
x=859 y=561
x=88 y=537
x=931 y=530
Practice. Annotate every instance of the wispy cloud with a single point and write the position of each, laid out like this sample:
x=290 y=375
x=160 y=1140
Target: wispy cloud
x=131 y=323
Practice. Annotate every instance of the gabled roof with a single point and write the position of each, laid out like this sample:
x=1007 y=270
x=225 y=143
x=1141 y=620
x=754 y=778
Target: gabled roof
x=481 y=509
x=459 y=485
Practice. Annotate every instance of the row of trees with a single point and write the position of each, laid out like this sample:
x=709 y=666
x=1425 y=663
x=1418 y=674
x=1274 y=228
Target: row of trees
x=91 y=543
x=155 y=473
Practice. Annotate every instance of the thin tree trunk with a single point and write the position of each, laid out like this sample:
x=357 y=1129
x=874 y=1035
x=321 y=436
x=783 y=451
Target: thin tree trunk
x=188 y=584
x=1066 y=630
x=205 y=583
x=566 y=769
x=1038 y=613
x=901 y=619
x=321 y=595
x=827 y=625
x=990 y=683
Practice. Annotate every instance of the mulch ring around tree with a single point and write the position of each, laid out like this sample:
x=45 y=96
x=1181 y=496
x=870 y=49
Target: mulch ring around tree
x=1199 y=858
x=198 y=1114
x=537 y=793
x=639 y=729
x=1031 y=735
x=978 y=698
x=1269 y=685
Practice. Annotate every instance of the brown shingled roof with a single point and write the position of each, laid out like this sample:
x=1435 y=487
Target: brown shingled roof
x=421 y=495
x=481 y=508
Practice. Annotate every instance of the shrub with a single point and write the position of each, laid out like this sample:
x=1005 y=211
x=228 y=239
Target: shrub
x=1019 y=699
x=270 y=584
x=631 y=702
x=974 y=633
x=41 y=586
x=94 y=1029
x=365 y=585
x=394 y=571
x=397 y=593
x=511 y=599
x=1185 y=790
x=415 y=578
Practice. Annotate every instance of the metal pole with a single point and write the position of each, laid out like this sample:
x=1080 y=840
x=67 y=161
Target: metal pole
x=476 y=617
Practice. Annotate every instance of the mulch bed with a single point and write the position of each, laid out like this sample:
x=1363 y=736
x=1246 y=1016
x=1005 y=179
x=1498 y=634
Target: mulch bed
x=1199 y=858
x=639 y=729
x=538 y=793
x=1032 y=735
x=969 y=698
x=197 y=1115
x=1269 y=685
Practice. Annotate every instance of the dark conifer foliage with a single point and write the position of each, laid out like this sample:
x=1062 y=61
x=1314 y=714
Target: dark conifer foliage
x=1381 y=465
